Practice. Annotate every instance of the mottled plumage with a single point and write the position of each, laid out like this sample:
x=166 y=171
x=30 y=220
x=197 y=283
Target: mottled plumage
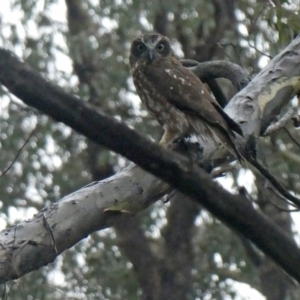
x=175 y=96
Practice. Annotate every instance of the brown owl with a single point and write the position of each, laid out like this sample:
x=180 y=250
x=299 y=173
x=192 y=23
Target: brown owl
x=175 y=96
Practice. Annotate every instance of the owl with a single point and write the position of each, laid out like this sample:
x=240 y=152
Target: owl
x=175 y=96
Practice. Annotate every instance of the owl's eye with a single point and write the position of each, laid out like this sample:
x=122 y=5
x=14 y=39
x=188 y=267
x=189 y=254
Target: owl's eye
x=160 y=47
x=140 y=48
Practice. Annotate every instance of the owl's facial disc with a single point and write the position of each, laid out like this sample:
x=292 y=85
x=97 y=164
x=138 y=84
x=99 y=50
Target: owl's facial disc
x=153 y=48
x=146 y=50
x=150 y=47
x=158 y=48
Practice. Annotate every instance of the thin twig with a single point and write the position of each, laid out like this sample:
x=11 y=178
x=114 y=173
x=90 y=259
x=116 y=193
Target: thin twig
x=252 y=252
x=280 y=123
x=273 y=190
x=18 y=154
x=243 y=192
x=234 y=47
x=291 y=136
x=260 y=52
x=277 y=185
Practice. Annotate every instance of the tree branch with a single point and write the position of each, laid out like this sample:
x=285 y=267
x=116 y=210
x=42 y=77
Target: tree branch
x=209 y=71
x=291 y=136
x=238 y=76
x=178 y=247
x=281 y=122
x=255 y=107
x=28 y=245
x=134 y=244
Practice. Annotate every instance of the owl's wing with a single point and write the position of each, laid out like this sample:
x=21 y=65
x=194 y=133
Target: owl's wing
x=231 y=123
x=185 y=91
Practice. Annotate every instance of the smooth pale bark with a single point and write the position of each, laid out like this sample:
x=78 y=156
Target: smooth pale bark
x=258 y=103
x=36 y=242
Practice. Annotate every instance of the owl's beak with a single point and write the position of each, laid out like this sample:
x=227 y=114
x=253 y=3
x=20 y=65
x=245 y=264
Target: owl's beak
x=151 y=54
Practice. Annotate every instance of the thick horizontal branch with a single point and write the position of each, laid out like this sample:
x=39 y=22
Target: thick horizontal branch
x=173 y=168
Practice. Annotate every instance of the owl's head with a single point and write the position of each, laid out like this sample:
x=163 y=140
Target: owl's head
x=150 y=47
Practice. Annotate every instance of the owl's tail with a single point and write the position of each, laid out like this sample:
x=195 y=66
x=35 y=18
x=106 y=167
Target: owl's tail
x=228 y=138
